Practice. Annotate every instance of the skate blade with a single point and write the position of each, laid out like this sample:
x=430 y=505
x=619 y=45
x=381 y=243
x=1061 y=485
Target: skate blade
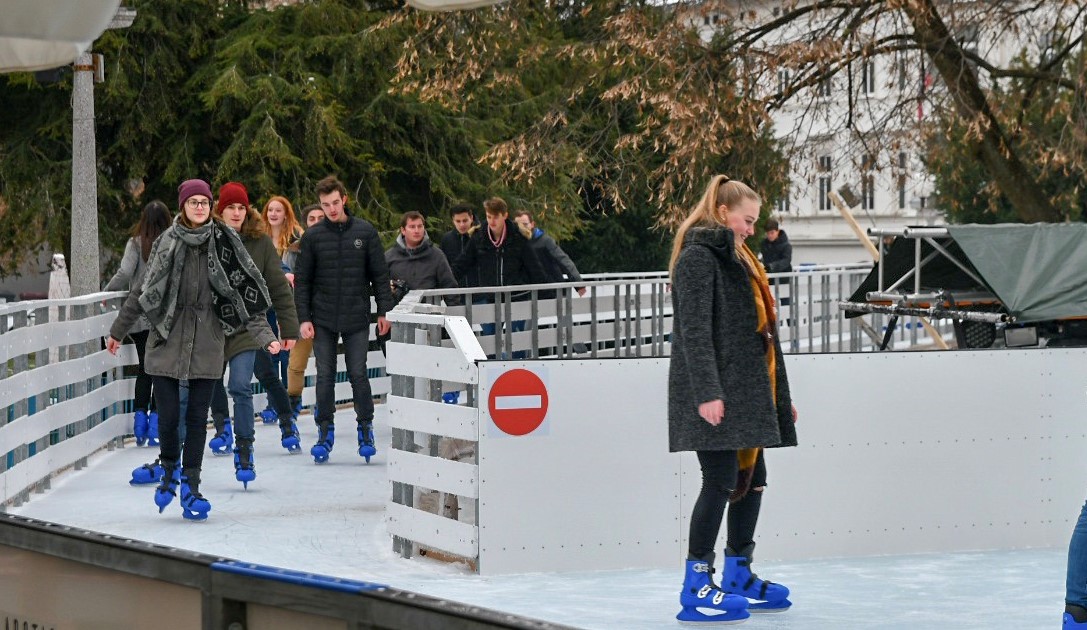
x=764 y=608
x=194 y=516
x=694 y=617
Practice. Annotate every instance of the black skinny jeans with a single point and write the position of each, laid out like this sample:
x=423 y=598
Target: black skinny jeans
x=719 y=472
x=264 y=368
x=356 y=346
x=196 y=419
x=144 y=399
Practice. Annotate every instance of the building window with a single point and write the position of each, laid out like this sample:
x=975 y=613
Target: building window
x=825 y=181
x=782 y=205
x=868 y=76
x=868 y=183
x=902 y=72
x=901 y=183
x=705 y=20
x=783 y=80
x=822 y=89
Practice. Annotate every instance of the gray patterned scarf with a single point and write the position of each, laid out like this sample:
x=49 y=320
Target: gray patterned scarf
x=237 y=286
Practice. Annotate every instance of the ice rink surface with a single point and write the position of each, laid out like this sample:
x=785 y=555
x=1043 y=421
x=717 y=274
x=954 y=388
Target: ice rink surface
x=329 y=519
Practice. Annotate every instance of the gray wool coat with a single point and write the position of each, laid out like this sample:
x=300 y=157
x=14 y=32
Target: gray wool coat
x=194 y=348
x=716 y=354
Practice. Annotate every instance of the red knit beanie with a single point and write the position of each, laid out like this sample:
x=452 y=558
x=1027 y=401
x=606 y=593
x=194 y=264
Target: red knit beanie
x=232 y=192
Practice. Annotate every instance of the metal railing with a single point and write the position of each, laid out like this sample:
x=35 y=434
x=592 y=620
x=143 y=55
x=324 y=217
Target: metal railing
x=625 y=315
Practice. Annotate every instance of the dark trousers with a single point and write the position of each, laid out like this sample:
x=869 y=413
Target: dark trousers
x=220 y=407
x=719 y=472
x=355 y=347
x=144 y=399
x=167 y=390
x=264 y=368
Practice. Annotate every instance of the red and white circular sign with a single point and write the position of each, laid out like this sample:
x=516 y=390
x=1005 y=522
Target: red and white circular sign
x=518 y=402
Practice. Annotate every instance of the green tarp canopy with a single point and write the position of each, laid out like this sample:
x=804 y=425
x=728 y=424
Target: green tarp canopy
x=1038 y=272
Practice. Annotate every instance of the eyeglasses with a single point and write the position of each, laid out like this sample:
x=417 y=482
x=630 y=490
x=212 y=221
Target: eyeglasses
x=193 y=203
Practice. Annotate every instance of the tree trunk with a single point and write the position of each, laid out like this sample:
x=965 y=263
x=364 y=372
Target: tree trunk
x=994 y=149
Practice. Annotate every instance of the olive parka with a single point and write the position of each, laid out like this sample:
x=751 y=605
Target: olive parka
x=268 y=262
x=194 y=347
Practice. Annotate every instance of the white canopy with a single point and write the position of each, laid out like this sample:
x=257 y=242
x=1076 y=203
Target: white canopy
x=450 y=5
x=41 y=34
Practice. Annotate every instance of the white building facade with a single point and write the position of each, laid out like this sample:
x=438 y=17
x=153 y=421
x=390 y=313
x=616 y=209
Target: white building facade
x=857 y=133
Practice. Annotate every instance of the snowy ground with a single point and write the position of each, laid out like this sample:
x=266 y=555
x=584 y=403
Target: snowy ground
x=329 y=519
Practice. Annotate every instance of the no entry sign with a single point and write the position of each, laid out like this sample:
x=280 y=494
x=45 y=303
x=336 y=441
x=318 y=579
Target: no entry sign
x=518 y=402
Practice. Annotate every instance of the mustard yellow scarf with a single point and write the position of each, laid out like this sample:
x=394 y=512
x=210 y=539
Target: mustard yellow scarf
x=765 y=309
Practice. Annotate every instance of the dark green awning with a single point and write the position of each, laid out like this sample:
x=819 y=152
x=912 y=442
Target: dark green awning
x=1038 y=271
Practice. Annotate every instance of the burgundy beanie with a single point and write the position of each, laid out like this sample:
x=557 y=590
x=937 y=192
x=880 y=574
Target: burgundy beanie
x=191 y=187
x=232 y=192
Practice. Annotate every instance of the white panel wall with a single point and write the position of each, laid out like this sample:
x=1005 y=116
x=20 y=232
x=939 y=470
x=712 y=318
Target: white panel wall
x=900 y=453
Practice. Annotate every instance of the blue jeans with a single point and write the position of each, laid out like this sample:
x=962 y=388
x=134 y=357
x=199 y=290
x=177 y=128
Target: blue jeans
x=1076 y=585
x=355 y=348
x=239 y=386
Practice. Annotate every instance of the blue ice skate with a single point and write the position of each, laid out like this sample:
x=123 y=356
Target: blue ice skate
x=1071 y=611
x=194 y=507
x=366 y=441
x=244 y=470
x=139 y=427
x=703 y=602
x=153 y=429
x=268 y=416
x=451 y=398
x=148 y=473
x=739 y=580
x=290 y=440
x=220 y=444
x=326 y=437
x=167 y=488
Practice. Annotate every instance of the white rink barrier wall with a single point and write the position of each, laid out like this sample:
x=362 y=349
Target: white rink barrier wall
x=899 y=453
x=64 y=397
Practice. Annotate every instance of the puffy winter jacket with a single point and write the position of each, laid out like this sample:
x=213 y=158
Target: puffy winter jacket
x=453 y=245
x=510 y=263
x=339 y=266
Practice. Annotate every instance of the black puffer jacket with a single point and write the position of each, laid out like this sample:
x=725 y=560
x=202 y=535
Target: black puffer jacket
x=511 y=263
x=453 y=245
x=777 y=255
x=339 y=266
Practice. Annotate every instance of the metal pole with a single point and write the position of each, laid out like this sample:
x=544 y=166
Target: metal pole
x=84 y=266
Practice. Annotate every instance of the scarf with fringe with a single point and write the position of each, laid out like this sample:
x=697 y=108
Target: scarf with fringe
x=237 y=286
x=767 y=327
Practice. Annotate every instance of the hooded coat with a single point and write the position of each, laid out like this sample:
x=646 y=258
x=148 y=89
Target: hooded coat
x=717 y=353
x=422 y=267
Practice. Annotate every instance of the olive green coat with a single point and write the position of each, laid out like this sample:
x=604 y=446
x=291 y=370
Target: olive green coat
x=194 y=347
x=268 y=261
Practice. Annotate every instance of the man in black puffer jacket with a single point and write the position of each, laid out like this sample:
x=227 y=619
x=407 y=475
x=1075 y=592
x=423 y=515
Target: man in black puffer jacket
x=339 y=263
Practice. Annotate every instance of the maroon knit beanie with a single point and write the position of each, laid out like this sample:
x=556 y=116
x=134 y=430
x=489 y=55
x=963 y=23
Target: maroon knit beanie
x=232 y=192
x=191 y=187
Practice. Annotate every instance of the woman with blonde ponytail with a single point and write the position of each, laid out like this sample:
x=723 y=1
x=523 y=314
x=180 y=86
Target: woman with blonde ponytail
x=728 y=397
